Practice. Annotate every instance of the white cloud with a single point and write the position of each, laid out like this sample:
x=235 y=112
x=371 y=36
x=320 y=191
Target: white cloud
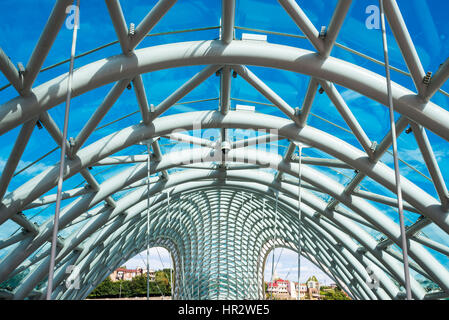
x=156 y=263
x=287 y=268
x=349 y=95
x=33 y=170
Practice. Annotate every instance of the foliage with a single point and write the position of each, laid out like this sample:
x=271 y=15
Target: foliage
x=312 y=278
x=334 y=294
x=136 y=287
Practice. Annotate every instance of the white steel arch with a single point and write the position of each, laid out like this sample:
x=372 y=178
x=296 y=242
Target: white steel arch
x=216 y=213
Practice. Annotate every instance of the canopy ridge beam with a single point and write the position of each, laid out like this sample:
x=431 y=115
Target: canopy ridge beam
x=386 y=142
x=225 y=89
x=266 y=91
x=125 y=38
x=308 y=101
x=56 y=134
x=50 y=125
x=303 y=22
x=431 y=162
x=227 y=20
x=43 y=46
x=98 y=115
x=405 y=43
x=90 y=179
x=182 y=91
x=15 y=155
x=150 y=20
x=142 y=99
x=437 y=81
x=287 y=157
x=121 y=160
x=381 y=148
x=198 y=53
x=158 y=156
x=335 y=25
x=348 y=116
x=329 y=40
x=7 y=67
x=119 y=23
x=225 y=76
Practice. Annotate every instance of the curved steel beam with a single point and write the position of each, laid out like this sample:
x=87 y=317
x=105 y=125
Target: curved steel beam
x=142 y=207
x=119 y=67
x=34 y=188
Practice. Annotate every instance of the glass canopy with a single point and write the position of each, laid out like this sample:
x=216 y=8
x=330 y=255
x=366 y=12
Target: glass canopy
x=221 y=93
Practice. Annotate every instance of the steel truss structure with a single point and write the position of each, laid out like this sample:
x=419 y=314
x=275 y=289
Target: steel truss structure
x=220 y=217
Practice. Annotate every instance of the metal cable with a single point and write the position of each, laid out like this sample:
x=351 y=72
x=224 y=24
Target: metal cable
x=148 y=220
x=299 y=217
x=395 y=156
x=63 y=151
x=160 y=291
x=274 y=243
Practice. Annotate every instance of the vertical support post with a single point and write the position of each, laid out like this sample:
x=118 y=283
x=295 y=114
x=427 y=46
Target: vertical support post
x=171 y=280
x=62 y=159
x=168 y=216
x=299 y=216
x=274 y=241
x=250 y=279
x=263 y=266
x=148 y=220
x=395 y=157
x=183 y=278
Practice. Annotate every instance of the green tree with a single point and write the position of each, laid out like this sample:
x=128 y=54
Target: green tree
x=104 y=289
x=334 y=294
x=136 y=287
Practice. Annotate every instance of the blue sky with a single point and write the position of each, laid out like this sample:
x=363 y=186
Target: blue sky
x=427 y=22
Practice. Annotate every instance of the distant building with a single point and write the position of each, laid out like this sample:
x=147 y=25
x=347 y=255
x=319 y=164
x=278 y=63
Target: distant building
x=280 y=288
x=123 y=273
x=313 y=288
x=286 y=289
x=302 y=290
